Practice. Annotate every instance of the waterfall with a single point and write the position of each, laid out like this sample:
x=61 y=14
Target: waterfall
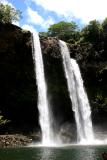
x=43 y=103
x=78 y=96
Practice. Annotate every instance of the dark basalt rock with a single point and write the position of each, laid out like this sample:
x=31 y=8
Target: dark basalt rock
x=50 y=47
x=18 y=93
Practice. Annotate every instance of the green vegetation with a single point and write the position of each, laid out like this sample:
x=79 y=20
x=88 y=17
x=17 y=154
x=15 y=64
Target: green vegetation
x=64 y=30
x=94 y=32
x=3 y=121
x=9 y=14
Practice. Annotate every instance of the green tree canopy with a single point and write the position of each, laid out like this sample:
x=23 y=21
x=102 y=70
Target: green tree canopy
x=104 y=26
x=9 y=14
x=92 y=32
x=64 y=30
x=95 y=32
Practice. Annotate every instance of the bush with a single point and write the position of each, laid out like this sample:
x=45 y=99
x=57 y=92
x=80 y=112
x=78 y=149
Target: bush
x=3 y=121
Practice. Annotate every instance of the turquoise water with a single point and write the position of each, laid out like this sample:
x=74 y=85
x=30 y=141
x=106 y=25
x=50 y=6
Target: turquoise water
x=64 y=153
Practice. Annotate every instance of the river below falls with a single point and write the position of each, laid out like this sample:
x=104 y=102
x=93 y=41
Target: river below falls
x=53 y=153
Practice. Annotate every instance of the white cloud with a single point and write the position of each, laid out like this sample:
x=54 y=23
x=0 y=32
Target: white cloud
x=16 y=23
x=6 y=2
x=86 y=10
x=28 y=2
x=34 y=18
x=29 y=27
x=48 y=22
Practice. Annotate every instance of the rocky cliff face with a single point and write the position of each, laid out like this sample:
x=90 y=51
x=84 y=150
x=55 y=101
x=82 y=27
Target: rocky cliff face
x=18 y=94
x=18 y=91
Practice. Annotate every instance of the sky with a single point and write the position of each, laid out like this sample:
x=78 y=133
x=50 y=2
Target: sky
x=40 y=14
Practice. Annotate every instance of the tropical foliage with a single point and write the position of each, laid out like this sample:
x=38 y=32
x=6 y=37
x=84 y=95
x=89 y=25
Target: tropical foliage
x=9 y=14
x=3 y=121
x=64 y=30
x=94 y=32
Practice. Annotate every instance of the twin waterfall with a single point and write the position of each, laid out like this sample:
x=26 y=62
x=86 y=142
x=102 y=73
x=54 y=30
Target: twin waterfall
x=80 y=104
x=78 y=96
x=43 y=104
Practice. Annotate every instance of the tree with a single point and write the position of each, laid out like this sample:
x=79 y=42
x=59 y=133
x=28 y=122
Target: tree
x=44 y=34
x=64 y=30
x=9 y=14
x=92 y=32
x=104 y=26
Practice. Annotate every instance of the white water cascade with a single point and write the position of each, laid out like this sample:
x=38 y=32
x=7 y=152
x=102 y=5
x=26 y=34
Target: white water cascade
x=43 y=104
x=78 y=96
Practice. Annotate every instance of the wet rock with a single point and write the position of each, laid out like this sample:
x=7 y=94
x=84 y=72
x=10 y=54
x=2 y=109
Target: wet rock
x=14 y=140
